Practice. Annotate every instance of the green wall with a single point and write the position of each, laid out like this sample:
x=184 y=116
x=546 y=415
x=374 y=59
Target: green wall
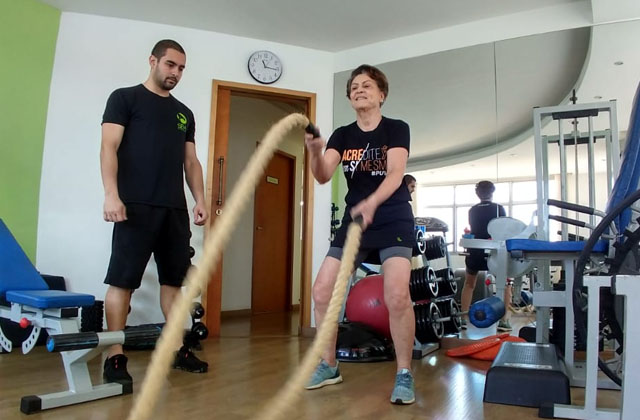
x=338 y=190
x=28 y=33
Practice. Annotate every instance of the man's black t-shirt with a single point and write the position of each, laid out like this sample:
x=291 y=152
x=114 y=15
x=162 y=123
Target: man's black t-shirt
x=151 y=154
x=481 y=214
x=363 y=156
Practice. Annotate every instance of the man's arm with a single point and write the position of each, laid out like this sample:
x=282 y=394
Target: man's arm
x=193 y=172
x=113 y=209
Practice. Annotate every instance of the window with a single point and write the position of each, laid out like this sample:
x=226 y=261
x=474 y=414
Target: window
x=451 y=204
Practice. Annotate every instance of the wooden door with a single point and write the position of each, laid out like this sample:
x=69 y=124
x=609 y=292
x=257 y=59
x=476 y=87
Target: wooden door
x=216 y=180
x=272 y=237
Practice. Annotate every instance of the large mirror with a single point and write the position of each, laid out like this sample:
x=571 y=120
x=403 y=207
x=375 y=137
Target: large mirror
x=471 y=115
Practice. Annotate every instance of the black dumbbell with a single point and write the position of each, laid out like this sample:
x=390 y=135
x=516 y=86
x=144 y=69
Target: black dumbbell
x=200 y=330
x=197 y=310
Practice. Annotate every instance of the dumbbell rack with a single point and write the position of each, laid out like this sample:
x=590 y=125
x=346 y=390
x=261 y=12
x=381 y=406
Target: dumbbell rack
x=432 y=291
x=199 y=330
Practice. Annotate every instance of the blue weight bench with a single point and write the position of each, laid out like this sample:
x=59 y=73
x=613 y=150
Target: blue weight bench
x=26 y=299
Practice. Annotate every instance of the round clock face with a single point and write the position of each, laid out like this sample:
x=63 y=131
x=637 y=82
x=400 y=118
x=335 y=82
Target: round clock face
x=265 y=67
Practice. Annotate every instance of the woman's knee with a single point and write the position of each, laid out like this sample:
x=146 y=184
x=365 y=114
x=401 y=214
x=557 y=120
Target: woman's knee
x=323 y=286
x=397 y=298
x=321 y=292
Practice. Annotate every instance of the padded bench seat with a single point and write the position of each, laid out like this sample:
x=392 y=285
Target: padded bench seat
x=535 y=245
x=46 y=299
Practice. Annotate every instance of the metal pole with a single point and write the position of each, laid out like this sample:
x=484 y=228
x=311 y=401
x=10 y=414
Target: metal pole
x=576 y=172
x=563 y=177
x=591 y=172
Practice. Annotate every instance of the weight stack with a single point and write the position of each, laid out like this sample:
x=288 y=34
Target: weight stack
x=435 y=247
x=428 y=331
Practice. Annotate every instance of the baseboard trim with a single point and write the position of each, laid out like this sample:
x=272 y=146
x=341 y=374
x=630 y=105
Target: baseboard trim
x=234 y=314
x=308 y=332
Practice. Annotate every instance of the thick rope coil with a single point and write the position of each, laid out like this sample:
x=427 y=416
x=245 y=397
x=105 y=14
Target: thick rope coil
x=197 y=279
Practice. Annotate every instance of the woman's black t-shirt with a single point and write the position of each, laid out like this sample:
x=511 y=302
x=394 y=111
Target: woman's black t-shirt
x=363 y=159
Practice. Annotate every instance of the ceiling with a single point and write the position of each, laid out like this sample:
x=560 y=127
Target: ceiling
x=330 y=25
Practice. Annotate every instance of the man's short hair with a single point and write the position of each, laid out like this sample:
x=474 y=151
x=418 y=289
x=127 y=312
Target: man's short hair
x=485 y=190
x=161 y=47
x=408 y=179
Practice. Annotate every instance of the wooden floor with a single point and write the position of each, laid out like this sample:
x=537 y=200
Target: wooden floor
x=251 y=360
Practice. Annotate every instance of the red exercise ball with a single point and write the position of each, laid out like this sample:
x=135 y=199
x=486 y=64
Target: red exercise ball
x=365 y=304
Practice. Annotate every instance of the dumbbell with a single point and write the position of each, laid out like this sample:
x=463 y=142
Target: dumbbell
x=423 y=284
x=450 y=308
x=420 y=246
x=448 y=285
x=200 y=330
x=197 y=311
x=428 y=331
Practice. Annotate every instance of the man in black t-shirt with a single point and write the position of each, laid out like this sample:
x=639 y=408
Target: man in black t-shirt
x=148 y=142
x=479 y=217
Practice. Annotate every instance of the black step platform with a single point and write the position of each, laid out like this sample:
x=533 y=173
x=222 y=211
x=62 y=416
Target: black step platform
x=528 y=375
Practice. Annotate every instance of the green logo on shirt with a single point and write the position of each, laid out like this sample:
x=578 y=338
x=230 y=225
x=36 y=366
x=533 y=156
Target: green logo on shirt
x=182 y=122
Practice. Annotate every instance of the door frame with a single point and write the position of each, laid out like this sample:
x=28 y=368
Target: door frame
x=221 y=91
x=291 y=222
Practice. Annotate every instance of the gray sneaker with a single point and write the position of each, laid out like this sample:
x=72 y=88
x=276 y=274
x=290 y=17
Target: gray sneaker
x=324 y=375
x=504 y=326
x=403 y=392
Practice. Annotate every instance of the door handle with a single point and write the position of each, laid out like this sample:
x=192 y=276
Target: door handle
x=259 y=228
x=221 y=161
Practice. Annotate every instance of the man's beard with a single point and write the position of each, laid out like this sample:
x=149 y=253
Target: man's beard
x=167 y=85
x=166 y=82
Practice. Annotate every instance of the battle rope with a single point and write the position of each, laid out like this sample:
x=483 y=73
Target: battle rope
x=197 y=279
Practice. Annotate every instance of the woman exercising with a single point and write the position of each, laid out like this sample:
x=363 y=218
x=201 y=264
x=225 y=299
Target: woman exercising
x=373 y=154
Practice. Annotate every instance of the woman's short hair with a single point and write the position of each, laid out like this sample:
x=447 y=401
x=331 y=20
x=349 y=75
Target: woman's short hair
x=376 y=74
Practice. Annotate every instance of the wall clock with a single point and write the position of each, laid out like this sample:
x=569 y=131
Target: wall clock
x=265 y=67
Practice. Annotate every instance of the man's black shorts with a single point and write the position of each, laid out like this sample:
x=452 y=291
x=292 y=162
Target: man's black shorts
x=476 y=261
x=148 y=229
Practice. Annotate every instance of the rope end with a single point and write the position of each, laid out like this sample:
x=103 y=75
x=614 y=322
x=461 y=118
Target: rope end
x=312 y=129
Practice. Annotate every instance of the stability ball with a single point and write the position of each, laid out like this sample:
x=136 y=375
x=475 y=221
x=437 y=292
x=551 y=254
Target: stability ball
x=365 y=304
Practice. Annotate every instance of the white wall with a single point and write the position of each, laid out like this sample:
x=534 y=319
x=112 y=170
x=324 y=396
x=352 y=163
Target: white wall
x=250 y=119
x=94 y=56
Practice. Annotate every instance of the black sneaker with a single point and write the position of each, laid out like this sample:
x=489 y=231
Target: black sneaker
x=115 y=370
x=186 y=360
